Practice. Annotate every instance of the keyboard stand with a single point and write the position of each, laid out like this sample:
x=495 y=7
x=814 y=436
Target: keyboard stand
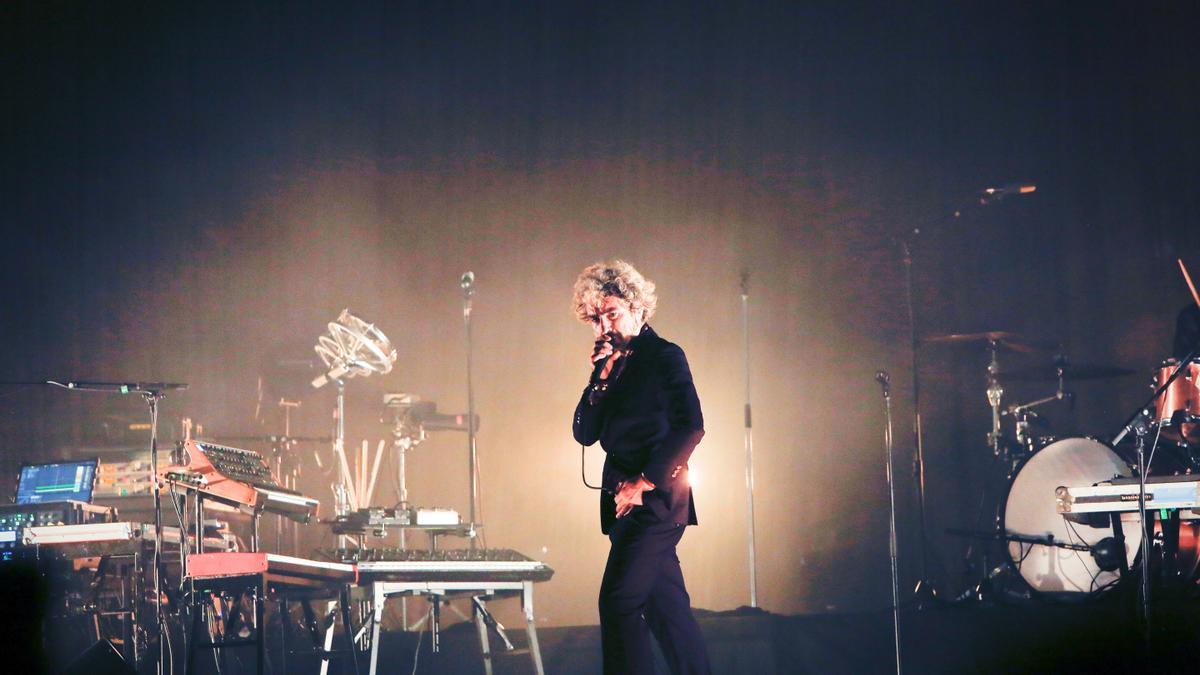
x=255 y=589
x=382 y=590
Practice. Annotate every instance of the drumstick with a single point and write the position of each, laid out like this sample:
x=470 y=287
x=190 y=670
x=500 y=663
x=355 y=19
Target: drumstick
x=1188 y=279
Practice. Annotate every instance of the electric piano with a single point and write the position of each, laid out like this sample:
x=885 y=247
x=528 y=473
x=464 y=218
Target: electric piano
x=278 y=571
x=261 y=577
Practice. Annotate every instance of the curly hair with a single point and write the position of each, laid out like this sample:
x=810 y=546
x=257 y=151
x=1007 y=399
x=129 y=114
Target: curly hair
x=614 y=278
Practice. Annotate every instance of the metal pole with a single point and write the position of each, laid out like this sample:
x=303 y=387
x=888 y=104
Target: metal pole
x=893 y=550
x=152 y=398
x=1146 y=532
x=924 y=589
x=749 y=439
x=467 y=283
x=341 y=495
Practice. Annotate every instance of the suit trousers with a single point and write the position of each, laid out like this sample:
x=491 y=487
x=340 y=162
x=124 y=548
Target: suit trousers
x=643 y=593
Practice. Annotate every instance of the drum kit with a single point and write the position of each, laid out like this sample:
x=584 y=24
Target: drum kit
x=1044 y=553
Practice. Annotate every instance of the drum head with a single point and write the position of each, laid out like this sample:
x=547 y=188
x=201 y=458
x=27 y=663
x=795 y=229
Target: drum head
x=1031 y=510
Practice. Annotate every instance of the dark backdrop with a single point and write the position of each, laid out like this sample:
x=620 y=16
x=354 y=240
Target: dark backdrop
x=190 y=192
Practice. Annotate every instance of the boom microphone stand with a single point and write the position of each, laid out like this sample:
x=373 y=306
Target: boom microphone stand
x=1137 y=425
x=152 y=392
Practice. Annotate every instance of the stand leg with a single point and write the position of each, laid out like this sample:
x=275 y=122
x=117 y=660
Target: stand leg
x=435 y=626
x=1170 y=529
x=327 y=643
x=348 y=626
x=197 y=619
x=535 y=651
x=376 y=620
x=283 y=632
x=484 y=647
x=260 y=624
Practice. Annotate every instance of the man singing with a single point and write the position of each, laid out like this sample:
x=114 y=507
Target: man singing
x=642 y=407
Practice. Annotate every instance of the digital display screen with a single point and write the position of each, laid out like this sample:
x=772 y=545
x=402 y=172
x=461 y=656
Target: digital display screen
x=56 y=482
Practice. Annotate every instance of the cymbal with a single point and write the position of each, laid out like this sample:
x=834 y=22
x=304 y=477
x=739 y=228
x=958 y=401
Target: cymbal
x=1070 y=371
x=1010 y=341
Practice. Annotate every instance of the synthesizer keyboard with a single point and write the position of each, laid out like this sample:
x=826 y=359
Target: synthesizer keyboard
x=1121 y=495
x=394 y=564
x=237 y=477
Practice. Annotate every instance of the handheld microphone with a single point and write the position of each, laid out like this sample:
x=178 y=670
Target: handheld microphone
x=599 y=365
x=884 y=379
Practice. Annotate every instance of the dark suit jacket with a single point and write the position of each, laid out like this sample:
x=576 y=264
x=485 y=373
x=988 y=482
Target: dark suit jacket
x=648 y=422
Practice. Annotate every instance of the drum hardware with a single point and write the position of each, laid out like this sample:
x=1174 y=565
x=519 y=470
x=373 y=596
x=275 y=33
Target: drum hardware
x=995 y=342
x=994 y=394
x=1003 y=340
x=1023 y=415
x=1062 y=369
x=1024 y=421
x=1177 y=411
x=1041 y=541
x=1106 y=554
x=1102 y=546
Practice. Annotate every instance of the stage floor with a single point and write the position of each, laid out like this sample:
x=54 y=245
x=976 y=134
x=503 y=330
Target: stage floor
x=1094 y=637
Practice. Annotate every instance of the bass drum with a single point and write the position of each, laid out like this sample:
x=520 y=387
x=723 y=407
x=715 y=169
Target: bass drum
x=1031 y=510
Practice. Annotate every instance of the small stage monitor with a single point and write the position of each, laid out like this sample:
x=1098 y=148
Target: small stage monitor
x=57 y=482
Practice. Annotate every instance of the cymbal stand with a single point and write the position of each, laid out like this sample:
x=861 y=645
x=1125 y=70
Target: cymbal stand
x=995 y=392
x=1021 y=411
x=923 y=590
x=1000 y=453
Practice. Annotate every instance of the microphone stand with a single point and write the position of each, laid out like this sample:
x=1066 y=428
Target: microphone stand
x=885 y=382
x=749 y=439
x=1137 y=425
x=467 y=282
x=152 y=393
x=923 y=591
